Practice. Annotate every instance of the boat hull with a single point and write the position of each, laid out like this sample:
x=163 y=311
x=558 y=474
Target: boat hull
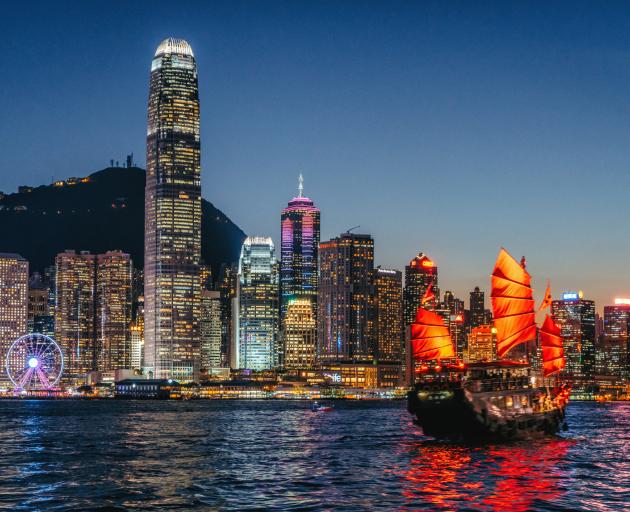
x=457 y=414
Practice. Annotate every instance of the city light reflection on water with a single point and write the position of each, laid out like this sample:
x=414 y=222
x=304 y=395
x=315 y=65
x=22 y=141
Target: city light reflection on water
x=276 y=455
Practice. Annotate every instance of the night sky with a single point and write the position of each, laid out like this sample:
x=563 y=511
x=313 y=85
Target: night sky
x=444 y=127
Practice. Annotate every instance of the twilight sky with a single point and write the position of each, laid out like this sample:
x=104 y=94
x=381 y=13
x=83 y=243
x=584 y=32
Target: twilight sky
x=447 y=127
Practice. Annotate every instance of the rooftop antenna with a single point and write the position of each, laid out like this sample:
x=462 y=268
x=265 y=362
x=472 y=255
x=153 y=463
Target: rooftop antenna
x=301 y=186
x=353 y=227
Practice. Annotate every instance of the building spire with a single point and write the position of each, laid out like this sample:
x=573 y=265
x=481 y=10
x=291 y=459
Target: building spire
x=301 y=186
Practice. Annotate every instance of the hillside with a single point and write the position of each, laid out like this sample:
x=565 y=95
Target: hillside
x=100 y=213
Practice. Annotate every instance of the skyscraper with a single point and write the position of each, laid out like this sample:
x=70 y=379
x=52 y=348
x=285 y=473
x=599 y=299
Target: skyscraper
x=388 y=309
x=616 y=347
x=113 y=310
x=258 y=311
x=172 y=253
x=13 y=303
x=75 y=323
x=477 y=308
x=210 y=326
x=576 y=318
x=299 y=334
x=419 y=275
x=299 y=248
x=93 y=311
x=345 y=326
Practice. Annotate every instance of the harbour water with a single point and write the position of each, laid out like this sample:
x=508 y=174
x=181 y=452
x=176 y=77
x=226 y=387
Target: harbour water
x=277 y=455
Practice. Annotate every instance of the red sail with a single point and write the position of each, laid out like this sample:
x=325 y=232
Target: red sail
x=552 y=351
x=512 y=304
x=430 y=338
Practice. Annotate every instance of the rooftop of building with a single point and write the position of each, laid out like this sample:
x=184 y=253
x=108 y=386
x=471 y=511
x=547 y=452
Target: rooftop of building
x=173 y=45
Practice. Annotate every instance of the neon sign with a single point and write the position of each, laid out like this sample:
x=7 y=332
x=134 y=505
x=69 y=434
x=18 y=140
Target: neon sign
x=570 y=296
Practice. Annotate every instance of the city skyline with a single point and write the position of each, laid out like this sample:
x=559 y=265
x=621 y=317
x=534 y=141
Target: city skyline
x=556 y=119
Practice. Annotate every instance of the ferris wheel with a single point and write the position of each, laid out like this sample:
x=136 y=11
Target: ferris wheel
x=34 y=361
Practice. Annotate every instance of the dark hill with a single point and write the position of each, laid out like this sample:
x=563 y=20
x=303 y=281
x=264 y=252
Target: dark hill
x=105 y=212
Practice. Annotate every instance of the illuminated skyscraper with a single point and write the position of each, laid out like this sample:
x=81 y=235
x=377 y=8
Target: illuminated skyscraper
x=299 y=248
x=477 y=308
x=388 y=309
x=113 y=310
x=75 y=328
x=345 y=324
x=419 y=275
x=93 y=311
x=258 y=311
x=299 y=333
x=210 y=329
x=616 y=340
x=13 y=303
x=172 y=253
x=576 y=318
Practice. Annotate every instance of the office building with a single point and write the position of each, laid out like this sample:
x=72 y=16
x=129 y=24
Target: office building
x=478 y=314
x=576 y=318
x=113 y=310
x=420 y=274
x=13 y=303
x=299 y=251
x=258 y=309
x=388 y=314
x=345 y=324
x=172 y=285
x=299 y=333
x=482 y=344
x=211 y=333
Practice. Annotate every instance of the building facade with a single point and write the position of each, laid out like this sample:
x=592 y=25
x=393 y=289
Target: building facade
x=421 y=273
x=75 y=322
x=576 y=318
x=299 y=251
x=258 y=306
x=614 y=351
x=482 y=344
x=172 y=288
x=388 y=314
x=93 y=311
x=13 y=304
x=211 y=334
x=299 y=334
x=113 y=310
x=477 y=308
x=345 y=323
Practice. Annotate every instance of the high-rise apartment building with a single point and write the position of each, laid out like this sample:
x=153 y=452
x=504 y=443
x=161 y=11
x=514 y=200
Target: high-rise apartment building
x=299 y=251
x=478 y=315
x=576 y=318
x=172 y=253
x=345 y=324
x=75 y=322
x=13 y=303
x=299 y=332
x=420 y=274
x=258 y=309
x=388 y=314
x=93 y=311
x=113 y=310
x=210 y=325
x=615 y=349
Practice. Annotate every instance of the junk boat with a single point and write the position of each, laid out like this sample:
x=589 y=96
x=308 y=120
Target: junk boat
x=495 y=400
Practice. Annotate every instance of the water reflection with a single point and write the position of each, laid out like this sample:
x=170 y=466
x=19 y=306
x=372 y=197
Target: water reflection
x=515 y=477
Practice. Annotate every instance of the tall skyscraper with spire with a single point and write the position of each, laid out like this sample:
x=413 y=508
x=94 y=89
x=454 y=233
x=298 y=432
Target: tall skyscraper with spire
x=172 y=289
x=299 y=250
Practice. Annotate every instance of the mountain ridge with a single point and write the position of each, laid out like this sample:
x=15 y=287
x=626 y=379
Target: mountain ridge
x=103 y=211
